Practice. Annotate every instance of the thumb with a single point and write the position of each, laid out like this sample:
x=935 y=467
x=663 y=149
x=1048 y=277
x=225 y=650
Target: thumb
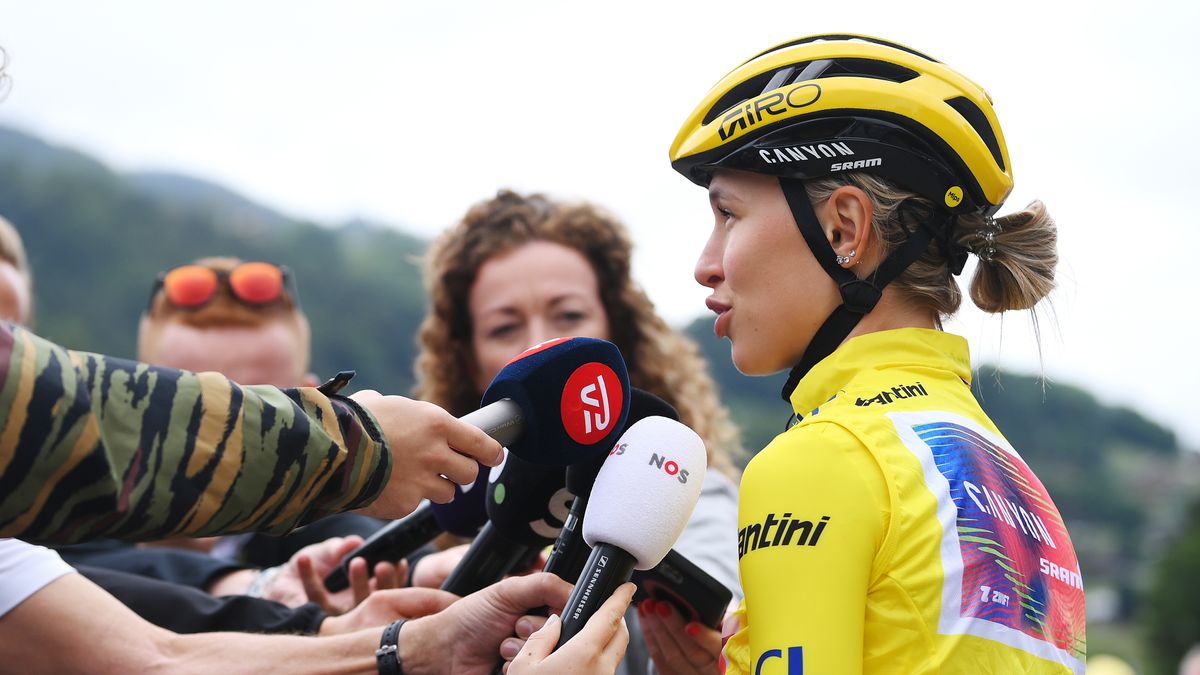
x=542 y=642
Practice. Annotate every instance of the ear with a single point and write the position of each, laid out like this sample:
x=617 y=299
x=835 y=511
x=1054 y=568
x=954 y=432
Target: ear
x=846 y=219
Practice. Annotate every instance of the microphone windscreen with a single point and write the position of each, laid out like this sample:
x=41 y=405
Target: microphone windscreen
x=574 y=395
x=527 y=502
x=642 y=404
x=646 y=490
x=466 y=513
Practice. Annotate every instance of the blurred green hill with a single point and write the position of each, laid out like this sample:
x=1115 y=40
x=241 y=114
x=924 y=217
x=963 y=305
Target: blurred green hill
x=97 y=238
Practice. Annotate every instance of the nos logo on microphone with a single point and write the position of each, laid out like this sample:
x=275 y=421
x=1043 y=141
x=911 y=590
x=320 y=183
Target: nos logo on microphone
x=591 y=403
x=669 y=466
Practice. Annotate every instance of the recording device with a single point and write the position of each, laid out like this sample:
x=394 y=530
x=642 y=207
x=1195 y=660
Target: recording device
x=570 y=552
x=641 y=500
x=556 y=403
x=526 y=506
x=694 y=593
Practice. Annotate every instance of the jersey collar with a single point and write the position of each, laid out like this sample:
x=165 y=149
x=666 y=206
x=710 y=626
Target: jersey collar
x=876 y=351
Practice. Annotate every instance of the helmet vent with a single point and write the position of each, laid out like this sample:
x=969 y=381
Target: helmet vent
x=979 y=122
x=806 y=71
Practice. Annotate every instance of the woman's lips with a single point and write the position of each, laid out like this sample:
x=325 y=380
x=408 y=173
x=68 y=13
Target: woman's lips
x=721 y=325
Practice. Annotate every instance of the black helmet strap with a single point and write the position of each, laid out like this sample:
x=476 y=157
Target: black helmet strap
x=859 y=296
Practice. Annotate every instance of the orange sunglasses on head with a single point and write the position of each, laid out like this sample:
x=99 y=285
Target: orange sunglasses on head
x=252 y=283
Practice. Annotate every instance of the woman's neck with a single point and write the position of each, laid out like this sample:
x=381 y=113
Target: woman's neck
x=893 y=312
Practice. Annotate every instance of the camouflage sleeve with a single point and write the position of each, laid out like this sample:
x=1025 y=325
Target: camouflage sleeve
x=92 y=446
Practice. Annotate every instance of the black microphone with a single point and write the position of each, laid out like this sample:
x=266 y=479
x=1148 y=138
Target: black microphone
x=526 y=505
x=463 y=516
x=641 y=501
x=570 y=394
x=571 y=552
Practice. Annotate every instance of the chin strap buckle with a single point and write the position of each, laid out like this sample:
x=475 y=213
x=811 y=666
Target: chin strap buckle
x=860 y=296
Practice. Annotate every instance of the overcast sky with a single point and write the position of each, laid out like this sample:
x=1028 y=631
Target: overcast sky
x=408 y=112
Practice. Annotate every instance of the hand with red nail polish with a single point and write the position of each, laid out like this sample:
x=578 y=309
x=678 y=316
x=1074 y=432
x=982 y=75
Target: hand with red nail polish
x=677 y=646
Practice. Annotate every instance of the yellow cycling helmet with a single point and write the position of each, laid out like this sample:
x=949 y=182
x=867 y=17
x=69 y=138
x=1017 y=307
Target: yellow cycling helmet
x=826 y=104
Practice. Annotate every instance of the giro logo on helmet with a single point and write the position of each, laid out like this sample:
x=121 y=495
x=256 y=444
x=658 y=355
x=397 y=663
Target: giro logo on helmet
x=751 y=113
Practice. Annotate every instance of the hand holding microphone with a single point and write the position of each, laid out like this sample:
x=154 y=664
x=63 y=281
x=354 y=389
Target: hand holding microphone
x=640 y=503
x=431 y=452
x=555 y=403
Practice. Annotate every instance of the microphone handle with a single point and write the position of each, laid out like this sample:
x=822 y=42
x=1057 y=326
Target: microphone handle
x=607 y=568
x=490 y=557
x=392 y=542
x=571 y=552
x=502 y=420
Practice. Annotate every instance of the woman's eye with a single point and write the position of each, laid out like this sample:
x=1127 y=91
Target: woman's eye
x=571 y=317
x=501 y=331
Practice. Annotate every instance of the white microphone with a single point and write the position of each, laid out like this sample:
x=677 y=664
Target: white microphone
x=640 y=503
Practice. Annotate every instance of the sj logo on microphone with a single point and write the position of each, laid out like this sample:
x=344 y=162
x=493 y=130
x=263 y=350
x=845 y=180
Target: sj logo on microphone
x=591 y=403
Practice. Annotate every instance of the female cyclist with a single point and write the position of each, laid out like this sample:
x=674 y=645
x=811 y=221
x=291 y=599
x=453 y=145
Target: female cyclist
x=892 y=529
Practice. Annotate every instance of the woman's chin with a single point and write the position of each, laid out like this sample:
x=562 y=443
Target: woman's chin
x=751 y=362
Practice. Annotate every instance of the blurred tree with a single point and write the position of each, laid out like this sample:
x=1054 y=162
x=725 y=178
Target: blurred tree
x=1171 y=611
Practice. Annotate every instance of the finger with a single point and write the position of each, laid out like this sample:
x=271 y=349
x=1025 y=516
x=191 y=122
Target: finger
x=510 y=647
x=365 y=395
x=314 y=590
x=528 y=625
x=665 y=652
x=402 y=572
x=607 y=621
x=540 y=644
x=469 y=440
x=386 y=576
x=517 y=595
x=360 y=581
x=614 y=651
x=459 y=469
x=707 y=640
x=440 y=491
x=346 y=546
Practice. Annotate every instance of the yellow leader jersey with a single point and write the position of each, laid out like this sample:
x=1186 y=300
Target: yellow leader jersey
x=895 y=530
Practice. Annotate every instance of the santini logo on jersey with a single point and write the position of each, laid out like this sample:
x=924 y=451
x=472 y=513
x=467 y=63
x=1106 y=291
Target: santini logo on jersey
x=785 y=531
x=894 y=394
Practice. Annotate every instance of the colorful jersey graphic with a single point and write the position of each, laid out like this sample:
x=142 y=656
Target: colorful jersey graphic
x=1011 y=572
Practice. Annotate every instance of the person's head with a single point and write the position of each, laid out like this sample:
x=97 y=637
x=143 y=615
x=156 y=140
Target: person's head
x=1190 y=664
x=225 y=315
x=862 y=173
x=16 y=283
x=521 y=269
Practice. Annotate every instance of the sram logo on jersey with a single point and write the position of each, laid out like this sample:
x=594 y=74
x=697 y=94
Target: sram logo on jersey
x=591 y=402
x=752 y=113
x=898 y=393
x=669 y=466
x=794 y=659
x=780 y=531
